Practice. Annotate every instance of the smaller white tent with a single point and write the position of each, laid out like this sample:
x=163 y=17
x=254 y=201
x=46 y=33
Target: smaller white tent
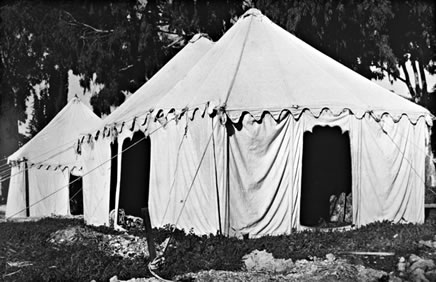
x=48 y=159
x=131 y=114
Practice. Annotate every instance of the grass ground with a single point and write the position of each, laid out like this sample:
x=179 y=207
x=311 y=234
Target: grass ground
x=27 y=242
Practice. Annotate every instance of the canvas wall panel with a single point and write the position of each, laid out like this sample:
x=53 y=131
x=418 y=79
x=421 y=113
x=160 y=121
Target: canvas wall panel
x=48 y=192
x=183 y=185
x=265 y=171
x=16 y=204
x=96 y=181
x=392 y=173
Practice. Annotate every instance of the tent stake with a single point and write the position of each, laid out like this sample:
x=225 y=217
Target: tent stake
x=148 y=233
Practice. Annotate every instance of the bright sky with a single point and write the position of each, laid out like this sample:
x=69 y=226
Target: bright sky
x=74 y=88
x=400 y=87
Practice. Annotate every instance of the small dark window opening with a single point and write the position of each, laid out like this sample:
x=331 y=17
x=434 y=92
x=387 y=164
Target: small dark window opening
x=326 y=178
x=135 y=174
x=76 y=195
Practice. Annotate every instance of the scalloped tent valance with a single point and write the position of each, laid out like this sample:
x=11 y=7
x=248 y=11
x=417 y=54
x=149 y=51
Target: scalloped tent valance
x=142 y=122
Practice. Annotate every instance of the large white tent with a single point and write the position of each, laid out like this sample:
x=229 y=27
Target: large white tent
x=132 y=112
x=227 y=139
x=48 y=159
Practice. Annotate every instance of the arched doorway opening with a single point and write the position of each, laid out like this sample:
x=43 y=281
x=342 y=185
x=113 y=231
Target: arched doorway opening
x=326 y=178
x=135 y=174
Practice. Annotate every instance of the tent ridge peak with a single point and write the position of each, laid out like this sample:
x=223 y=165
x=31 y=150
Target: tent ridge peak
x=252 y=12
x=238 y=65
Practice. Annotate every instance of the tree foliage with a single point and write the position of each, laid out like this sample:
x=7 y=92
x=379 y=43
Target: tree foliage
x=365 y=33
x=121 y=43
x=19 y=71
x=143 y=39
x=413 y=36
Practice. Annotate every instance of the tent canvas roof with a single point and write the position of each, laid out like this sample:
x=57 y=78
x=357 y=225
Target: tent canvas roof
x=144 y=99
x=54 y=144
x=257 y=66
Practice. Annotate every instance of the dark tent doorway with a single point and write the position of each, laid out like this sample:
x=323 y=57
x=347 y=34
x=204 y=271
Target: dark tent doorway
x=135 y=174
x=113 y=181
x=326 y=172
x=76 y=195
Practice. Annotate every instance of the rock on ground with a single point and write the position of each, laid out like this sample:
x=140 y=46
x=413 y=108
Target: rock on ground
x=264 y=261
x=262 y=266
x=420 y=269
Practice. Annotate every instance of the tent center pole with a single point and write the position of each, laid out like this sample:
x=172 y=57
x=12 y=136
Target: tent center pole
x=26 y=183
x=216 y=181
x=117 y=193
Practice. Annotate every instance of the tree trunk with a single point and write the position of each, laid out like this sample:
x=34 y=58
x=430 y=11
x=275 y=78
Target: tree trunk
x=406 y=75
x=425 y=96
x=58 y=92
x=62 y=97
x=417 y=87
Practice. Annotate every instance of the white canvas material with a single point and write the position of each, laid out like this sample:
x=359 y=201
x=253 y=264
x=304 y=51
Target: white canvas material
x=50 y=157
x=227 y=138
x=16 y=202
x=96 y=183
x=48 y=192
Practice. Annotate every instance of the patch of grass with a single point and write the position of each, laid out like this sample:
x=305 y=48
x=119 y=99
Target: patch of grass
x=27 y=241
x=191 y=253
